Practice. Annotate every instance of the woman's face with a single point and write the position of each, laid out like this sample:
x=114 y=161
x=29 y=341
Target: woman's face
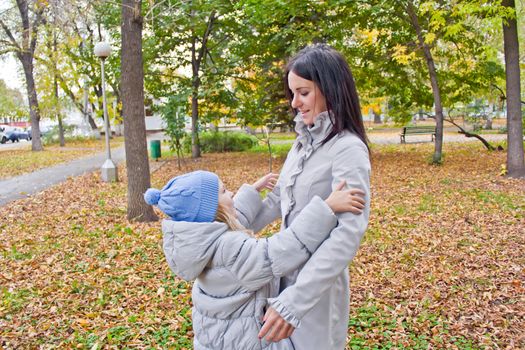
x=226 y=199
x=307 y=98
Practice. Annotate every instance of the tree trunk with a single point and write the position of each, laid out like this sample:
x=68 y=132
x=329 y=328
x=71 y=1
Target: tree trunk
x=438 y=145
x=133 y=112
x=377 y=118
x=25 y=53
x=196 y=59
x=195 y=63
x=87 y=113
x=421 y=115
x=55 y=87
x=59 y=117
x=515 y=157
x=195 y=144
x=119 y=125
x=34 y=110
x=98 y=92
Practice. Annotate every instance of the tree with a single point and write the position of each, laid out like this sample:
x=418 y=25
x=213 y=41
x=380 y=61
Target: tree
x=272 y=31
x=438 y=106
x=515 y=158
x=133 y=112
x=174 y=116
x=77 y=24
x=422 y=54
x=188 y=51
x=47 y=76
x=21 y=38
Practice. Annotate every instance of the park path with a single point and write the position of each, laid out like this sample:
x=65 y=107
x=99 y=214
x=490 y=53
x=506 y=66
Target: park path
x=393 y=137
x=388 y=138
x=28 y=184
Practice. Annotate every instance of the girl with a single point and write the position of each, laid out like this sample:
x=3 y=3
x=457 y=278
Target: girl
x=331 y=146
x=203 y=240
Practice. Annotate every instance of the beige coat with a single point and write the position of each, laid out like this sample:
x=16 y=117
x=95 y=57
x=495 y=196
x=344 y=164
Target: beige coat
x=315 y=298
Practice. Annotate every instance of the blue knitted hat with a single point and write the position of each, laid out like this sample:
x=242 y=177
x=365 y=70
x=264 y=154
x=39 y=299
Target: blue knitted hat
x=192 y=197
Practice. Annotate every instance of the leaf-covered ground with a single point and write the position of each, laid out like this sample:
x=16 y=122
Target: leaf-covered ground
x=442 y=264
x=14 y=162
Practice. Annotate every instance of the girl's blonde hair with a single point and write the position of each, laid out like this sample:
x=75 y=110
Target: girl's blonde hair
x=225 y=216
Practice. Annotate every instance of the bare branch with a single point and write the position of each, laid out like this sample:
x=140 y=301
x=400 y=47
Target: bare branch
x=469 y=134
x=5 y=51
x=10 y=35
x=205 y=38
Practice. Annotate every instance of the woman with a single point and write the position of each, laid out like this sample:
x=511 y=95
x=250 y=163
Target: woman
x=331 y=146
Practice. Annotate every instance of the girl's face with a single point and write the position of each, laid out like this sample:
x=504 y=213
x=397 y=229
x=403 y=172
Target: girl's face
x=226 y=199
x=307 y=98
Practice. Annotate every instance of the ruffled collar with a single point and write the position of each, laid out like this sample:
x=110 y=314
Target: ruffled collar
x=316 y=133
x=310 y=139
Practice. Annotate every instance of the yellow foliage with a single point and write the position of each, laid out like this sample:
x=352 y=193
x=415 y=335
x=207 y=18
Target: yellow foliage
x=401 y=56
x=429 y=38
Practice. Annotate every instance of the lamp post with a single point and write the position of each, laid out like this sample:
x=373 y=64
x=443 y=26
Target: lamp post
x=108 y=170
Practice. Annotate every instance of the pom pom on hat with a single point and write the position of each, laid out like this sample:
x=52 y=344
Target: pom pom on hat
x=152 y=196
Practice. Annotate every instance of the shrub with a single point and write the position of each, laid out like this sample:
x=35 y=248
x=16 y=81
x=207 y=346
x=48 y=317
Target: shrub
x=227 y=141
x=51 y=135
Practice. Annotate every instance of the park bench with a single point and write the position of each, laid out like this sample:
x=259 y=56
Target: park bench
x=418 y=130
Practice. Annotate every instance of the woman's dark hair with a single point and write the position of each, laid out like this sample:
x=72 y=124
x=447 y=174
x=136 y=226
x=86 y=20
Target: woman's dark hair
x=328 y=69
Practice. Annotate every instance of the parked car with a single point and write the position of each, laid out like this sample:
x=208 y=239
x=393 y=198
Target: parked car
x=16 y=134
x=3 y=136
x=44 y=130
x=24 y=135
x=12 y=135
x=8 y=133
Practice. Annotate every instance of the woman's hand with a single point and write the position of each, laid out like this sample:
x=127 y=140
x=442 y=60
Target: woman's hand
x=341 y=201
x=267 y=181
x=275 y=328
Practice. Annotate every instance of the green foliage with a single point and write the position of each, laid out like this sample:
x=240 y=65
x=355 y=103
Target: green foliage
x=13 y=301
x=12 y=103
x=379 y=322
x=165 y=53
x=52 y=136
x=228 y=141
x=72 y=59
x=174 y=115
x=278 y=30
x=278 y=150
x=390 y=63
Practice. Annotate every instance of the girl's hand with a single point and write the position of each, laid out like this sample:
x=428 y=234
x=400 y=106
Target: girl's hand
x=341 y=201
x=267 y=181
x=275 y=328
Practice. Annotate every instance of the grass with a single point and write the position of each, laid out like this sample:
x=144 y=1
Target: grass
x=398 y=333
x=14 y=162
x=278 y=150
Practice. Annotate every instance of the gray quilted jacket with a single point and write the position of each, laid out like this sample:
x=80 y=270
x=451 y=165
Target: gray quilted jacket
x=235 y=272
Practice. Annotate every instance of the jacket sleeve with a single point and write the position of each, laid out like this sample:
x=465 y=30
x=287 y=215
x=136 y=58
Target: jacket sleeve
x=254 y=213
x=168 y=246
x=351 y=163
x=248 y=203
x=255 y=262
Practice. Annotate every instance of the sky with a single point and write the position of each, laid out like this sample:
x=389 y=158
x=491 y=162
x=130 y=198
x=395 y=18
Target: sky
x=10 y=72
x=9 y=67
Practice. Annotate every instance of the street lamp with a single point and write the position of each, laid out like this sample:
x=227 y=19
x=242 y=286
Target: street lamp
x=108 y=170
